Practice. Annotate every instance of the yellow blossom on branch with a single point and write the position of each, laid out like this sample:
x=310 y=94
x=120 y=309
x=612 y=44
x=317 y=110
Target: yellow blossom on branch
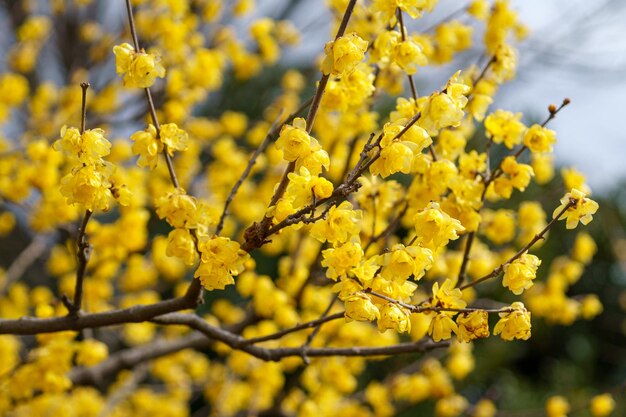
x=139 y=69
x=581 y=209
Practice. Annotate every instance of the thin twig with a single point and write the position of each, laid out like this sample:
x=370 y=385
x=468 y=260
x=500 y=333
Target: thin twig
x=498 y=270
x=436 y=309
x=317 y=329
x=553 y=111
x=153 y=113
x=276 y=354
x=469 y=240
x=389 y=229
x=431 y=148
x=83 y=248
x=83 y=253
x=256 y=235
x=124 y=390
x=307 y=325
x=20 y=264
x=445 y=19
x=195 y=288
x=246 y=172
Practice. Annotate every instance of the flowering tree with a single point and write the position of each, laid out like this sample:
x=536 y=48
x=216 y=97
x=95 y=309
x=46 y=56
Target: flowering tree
x=325 y=237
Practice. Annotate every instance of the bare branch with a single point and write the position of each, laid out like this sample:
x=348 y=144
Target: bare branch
x=25 y=259
x=237 y=342
x=498 y=270
x=135 y=314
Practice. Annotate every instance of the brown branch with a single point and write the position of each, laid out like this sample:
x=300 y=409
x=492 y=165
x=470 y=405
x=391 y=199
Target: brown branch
x=83 y=113
x=307 y=325
x=256 y=235
x=125 y=389
x=135 y=314
x=466 y=253
x=129 y=358
x=83 y=248
x=431 y=148
x=153 y=114
x=246 y=172
x=237 y=342
x=553 y=111
x=25 y=259
x=498 y=270
x=435 y=309
x=195 y=288
x=83 y=252
x=389 y=229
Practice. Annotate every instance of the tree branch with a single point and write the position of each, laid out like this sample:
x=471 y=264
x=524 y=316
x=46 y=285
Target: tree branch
x=135 y=314
x=498 y=270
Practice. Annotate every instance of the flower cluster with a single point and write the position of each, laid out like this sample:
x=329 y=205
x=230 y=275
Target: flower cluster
x=91 y=180
x=139 y=69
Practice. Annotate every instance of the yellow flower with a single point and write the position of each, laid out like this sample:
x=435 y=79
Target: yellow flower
x=504 y=126
x=294 y=140
x=359 y=307
x=174 y=137
x=147 y=146
x=394 y=317
x=343 y=54
x=517 y=176
x=539 y=139
x=574 y=179
x=178 y=208
x=181 y=244
x=581 y=210
x=342 y=259
x=602 y=405
x=401 y=262
x=447 y=296
x=519 y=274
x=221 y=259
x=484 y=407
x=91 y=352
x=514 y=324
x=557 y=406
x=88 y=185
x=499 y=227
x=139 y=69
x=590 y=306
x=472 y=325
x=441 y=327
x=408 y=55
x=341 y=223
x=451 y=406
x=435 y=228
x=13 y=89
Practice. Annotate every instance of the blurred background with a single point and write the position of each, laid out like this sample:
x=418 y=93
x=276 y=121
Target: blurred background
x=575 y=49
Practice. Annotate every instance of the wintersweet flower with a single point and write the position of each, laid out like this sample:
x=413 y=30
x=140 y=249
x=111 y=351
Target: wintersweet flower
x=505 y=127
x=343 y=54
x=392 y=316
x=514 y=324
x=294 y=140
x=441 y=327
x=181 y=244
x=602 y=405
x=147 y=146
x=581 y=209
x=221 y=260
x=435 y=228
x=472 y=325
x=539 y=139
x=140 y=69
x=519 y=274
